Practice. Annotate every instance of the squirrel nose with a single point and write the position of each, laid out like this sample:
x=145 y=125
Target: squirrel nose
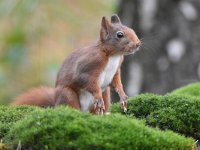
x=138 y=44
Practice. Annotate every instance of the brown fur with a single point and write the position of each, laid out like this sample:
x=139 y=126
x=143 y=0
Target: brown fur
x=81 y=70
x=42 y=96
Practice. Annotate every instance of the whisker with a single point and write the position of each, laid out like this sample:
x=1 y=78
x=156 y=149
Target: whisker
x=149 y=46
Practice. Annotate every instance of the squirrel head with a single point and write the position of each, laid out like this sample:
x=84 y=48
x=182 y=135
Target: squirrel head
x=118 y=38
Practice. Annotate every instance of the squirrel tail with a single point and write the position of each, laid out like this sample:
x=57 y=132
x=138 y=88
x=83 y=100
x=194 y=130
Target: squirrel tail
x=42 y=96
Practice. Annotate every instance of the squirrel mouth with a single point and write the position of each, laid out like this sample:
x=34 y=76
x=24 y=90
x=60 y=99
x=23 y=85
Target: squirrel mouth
x=131 y=51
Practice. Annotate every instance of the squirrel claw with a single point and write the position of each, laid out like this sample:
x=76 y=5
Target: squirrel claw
x=99 y=107
x=124 y=105
x=100 y=113
x=125 y=109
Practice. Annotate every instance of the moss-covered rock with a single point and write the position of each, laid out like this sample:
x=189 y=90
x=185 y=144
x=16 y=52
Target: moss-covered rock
x=167 y=118
x=64 y=128
x=9 y=115
x=175 y=112
x=192 y=90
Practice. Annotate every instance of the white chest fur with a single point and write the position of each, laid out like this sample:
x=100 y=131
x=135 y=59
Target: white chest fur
x=105 y=78
x=108 y=73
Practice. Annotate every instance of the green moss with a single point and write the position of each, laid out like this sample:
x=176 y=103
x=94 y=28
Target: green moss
x=10 y=115
x=166 y=118
x=65 y=128
x=175 y=112
x=189 y=90
x=140 y=106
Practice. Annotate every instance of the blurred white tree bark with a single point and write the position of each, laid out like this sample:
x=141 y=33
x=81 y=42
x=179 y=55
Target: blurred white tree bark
x=170 y=55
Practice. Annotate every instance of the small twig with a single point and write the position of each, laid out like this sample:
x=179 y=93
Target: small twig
x=19 y=146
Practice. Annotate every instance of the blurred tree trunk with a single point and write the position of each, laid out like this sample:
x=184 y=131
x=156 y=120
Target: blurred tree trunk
x=170 y=55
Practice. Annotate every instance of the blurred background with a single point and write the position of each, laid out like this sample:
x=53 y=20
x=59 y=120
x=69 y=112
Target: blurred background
x=36 y=36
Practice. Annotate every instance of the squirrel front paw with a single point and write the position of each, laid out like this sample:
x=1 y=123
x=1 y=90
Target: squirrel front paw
x=124 y=101
x=99 y=106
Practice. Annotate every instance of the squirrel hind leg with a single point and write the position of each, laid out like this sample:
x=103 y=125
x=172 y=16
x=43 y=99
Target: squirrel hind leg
x=67 y=96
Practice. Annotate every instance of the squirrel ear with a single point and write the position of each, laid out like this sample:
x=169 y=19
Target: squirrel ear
x=105 y=25
x=115 y=19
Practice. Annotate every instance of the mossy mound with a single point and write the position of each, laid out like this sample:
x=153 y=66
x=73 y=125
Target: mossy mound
x=192 y=90
x=65 y=128
x=175 y=112
x=9 y=115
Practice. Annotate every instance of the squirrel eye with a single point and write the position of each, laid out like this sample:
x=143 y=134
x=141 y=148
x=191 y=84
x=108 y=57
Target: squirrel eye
x=120 y=34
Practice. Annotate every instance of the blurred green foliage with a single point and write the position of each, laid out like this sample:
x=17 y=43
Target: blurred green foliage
x=36 y=36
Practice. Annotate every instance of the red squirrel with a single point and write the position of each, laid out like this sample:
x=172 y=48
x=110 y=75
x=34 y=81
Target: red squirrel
x=84 y=79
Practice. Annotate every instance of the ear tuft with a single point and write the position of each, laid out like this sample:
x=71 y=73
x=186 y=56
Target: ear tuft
x=104 y=22
x=115 y=19
x=105 y=25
